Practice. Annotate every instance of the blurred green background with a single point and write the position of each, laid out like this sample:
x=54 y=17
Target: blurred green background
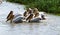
x=48 y=6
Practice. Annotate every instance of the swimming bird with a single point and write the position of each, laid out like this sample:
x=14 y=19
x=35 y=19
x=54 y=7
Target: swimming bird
x=29 y=17
x=14 y=18
x=35 y=12
x=25 y=14
x=43 y=17
x=18 y=19
x=10 y=17
x=35 y=20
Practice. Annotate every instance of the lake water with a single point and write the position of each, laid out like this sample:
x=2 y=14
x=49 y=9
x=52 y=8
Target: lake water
x=50 y=26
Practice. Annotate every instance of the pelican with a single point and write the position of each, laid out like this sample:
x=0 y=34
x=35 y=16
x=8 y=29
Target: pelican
x=42 y=15
x=14 y=18
x=31 y=18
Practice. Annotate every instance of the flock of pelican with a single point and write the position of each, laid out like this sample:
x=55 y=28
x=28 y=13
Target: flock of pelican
x=30 y=15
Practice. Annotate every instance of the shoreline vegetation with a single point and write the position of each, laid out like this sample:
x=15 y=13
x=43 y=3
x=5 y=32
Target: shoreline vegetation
x=48 y=6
